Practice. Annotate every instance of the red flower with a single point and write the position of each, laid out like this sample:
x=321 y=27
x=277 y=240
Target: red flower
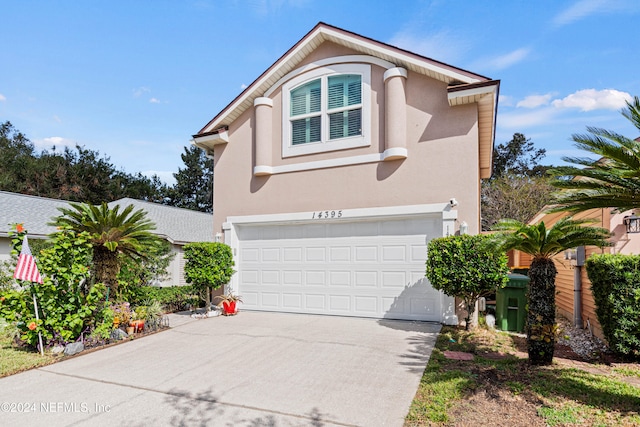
x=32 y=326
x=19 y=228
x=2 y=299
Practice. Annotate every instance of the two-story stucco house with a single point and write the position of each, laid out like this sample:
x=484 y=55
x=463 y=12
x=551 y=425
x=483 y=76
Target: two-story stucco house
x=335 y=168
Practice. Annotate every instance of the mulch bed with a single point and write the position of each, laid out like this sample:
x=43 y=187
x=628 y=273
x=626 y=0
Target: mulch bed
x=493 y=402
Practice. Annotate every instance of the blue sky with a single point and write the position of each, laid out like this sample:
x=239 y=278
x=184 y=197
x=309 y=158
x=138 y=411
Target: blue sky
x=135 y=79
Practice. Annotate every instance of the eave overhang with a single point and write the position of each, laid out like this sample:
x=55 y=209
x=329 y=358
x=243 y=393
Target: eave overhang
x=485 y=94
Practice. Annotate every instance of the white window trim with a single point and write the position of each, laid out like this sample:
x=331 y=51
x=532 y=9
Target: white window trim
x=364 y=140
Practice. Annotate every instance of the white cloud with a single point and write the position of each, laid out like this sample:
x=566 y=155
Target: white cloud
x=507 y=60
x=533 y=101
x=57 y=119
x=591 y=99
x=243 y=86
x=441 y=46
x=584 y=8
x=56 y=141
x=154 y=101
x=523 y=120
x=578 y=11
x=265 y=7
x=2 y=97
x=138 y=92
x=505 y=100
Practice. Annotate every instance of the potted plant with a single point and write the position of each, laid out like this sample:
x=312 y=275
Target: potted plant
x=121 y=314
x=138 y=318
x=155 y=311
x=229 y=303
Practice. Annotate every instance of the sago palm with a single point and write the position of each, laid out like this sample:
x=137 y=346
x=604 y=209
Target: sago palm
x=112 y=233
x=542 y=244
x=612 y=180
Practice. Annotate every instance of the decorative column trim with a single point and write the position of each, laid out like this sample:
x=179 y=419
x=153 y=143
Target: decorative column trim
x=395 y=113
x=263 y=135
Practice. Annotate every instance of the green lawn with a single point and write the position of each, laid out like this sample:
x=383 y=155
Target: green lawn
x=14 y=360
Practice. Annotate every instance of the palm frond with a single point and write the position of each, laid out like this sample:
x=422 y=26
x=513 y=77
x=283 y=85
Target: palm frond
x=541 y=242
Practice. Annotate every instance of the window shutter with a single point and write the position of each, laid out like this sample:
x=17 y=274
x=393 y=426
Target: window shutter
x=345 y=123
x=305 y=130
x=306 y=99
x=345 y=91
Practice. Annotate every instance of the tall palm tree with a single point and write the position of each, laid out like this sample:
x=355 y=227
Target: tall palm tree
x=112 y=233
x=610 y=181
x=542 y=244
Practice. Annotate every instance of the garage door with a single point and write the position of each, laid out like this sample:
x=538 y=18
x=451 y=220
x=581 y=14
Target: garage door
x=366 y=268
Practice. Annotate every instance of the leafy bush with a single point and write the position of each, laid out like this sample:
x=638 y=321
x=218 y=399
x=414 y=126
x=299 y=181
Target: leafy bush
x=614 y=284
x=145 y=271
x=209 y=266
x=172 y=298
x=67 y=308
x=462 y=266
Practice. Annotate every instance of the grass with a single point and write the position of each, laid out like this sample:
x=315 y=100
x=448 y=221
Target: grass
x=628 y=371
x=14 y=360
x=456 y=392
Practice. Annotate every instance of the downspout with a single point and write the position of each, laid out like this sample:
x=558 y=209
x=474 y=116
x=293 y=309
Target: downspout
x=577 y=286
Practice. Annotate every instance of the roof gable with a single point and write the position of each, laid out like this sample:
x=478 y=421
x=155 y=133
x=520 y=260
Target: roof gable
x=319 y=34
x=464 y=87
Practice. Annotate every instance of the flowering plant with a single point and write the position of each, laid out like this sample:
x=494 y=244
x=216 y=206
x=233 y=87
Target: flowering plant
x=122 y=312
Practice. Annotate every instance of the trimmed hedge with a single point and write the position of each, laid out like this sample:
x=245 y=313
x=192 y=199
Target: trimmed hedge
x=465 y=267
x=615 y=284
x=173 y=298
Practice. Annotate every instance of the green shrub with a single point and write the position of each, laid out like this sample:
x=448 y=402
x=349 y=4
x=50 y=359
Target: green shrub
x=209 y=266
x=462 y=266
x=67 y=308
x=148 y=269
x=172 y=298
x=615 y=284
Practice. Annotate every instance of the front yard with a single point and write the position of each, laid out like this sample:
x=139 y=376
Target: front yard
x=498 y=387
x=14 y=360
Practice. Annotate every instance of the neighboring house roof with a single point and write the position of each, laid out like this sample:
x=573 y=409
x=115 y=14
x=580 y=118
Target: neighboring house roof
x=464 y=86
x=177 y=225
x=32 y=212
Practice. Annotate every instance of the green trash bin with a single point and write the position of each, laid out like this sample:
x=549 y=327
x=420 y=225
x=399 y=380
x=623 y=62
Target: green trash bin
x=511 y=301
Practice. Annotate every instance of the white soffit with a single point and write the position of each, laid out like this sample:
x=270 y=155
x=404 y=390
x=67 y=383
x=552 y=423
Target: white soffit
x=208 y=141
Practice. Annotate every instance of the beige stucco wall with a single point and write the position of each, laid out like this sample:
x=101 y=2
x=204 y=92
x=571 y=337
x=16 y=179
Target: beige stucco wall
x=623 y=243
x=442 y=162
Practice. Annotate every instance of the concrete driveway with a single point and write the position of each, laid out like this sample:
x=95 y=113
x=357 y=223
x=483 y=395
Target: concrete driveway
x=253 y=369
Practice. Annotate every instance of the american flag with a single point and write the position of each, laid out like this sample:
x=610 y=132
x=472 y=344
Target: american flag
x=26 y=268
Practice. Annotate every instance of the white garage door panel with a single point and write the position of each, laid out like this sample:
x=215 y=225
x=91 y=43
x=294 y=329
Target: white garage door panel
x=359 y=268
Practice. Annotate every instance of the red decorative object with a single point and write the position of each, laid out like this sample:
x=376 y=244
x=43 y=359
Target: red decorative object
x=138 y=325
x=229 y=307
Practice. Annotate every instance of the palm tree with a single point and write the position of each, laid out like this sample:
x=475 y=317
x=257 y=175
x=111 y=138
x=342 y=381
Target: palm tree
x=611 y=181
x=112 y=233
x=542 y=244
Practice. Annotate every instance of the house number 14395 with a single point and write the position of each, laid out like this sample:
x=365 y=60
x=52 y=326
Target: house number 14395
x=326 y=215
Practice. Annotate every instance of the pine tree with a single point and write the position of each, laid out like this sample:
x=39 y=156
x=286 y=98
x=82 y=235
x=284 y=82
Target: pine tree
x=194 y=183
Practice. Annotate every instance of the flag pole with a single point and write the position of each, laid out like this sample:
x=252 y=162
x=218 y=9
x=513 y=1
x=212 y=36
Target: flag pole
x=35 y=307
x=27 y=270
